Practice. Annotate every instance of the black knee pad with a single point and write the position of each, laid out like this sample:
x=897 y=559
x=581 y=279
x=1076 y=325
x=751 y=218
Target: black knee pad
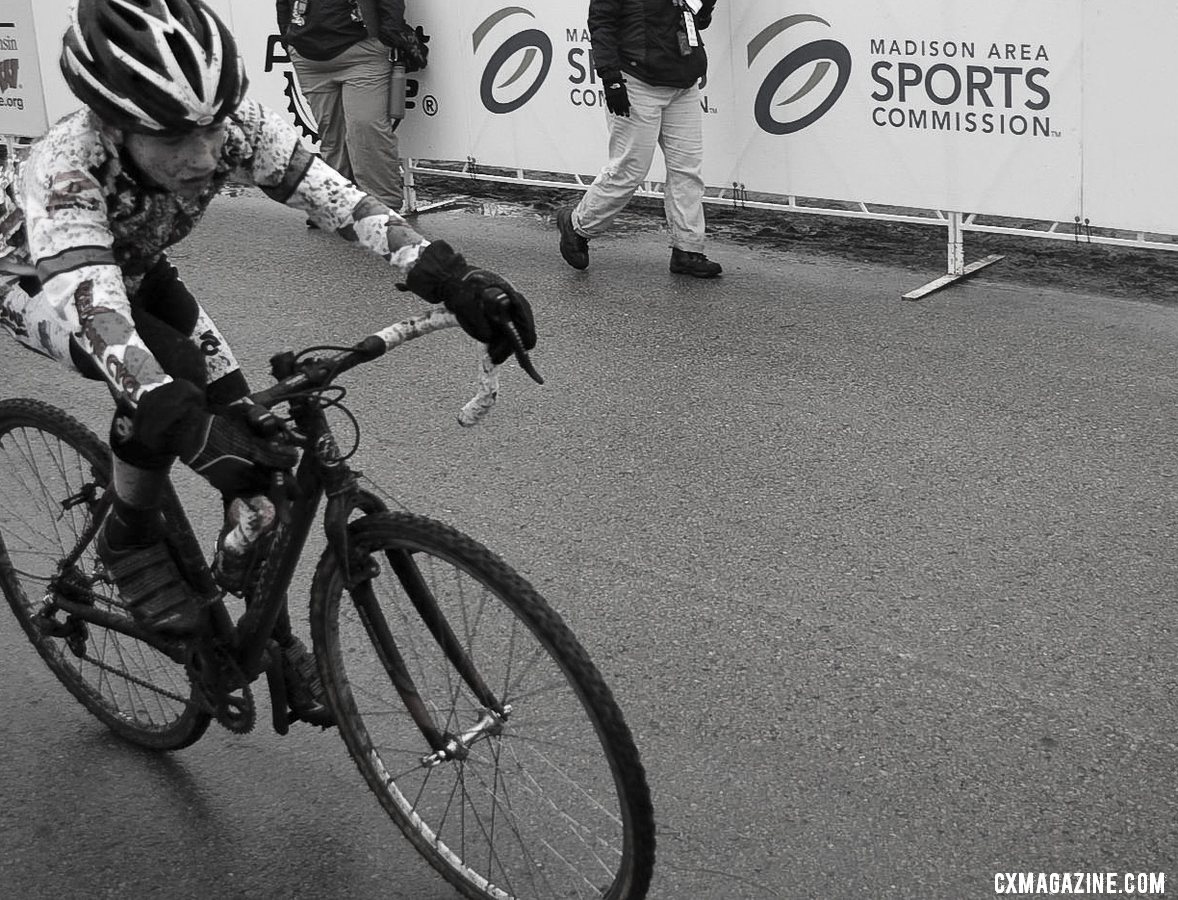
x=226 y=461
x=127 y=447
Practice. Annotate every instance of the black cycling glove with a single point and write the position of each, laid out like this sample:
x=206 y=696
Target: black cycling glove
x=617 y=98
x=410 y=43
x=239 y=453
x=234 y=449
x=482 y=301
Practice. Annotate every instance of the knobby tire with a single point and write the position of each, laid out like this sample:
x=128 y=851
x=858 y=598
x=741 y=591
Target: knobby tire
x=557 y=804
x=47 y=457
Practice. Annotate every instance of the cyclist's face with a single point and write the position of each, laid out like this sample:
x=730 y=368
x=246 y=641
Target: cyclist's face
x=183 y=163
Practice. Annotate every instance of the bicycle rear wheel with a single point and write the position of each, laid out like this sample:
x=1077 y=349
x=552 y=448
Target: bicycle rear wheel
x=548 y=800
x=53 y=472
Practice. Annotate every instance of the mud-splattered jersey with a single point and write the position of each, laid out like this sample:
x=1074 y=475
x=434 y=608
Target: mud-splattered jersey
x=91 y=228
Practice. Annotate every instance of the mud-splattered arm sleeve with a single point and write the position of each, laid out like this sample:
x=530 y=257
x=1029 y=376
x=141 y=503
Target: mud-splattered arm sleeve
x=279 y=163
x=70 y=244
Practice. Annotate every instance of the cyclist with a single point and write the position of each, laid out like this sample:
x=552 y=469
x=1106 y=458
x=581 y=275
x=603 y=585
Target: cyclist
x=94 y=207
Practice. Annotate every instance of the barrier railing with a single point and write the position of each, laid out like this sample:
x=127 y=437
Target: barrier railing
x=1030 y=120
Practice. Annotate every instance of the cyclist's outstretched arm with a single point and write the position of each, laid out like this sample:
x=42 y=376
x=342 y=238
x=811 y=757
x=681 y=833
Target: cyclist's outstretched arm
x=488 y=307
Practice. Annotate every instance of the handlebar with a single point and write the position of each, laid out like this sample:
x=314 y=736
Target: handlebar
x=296 y=376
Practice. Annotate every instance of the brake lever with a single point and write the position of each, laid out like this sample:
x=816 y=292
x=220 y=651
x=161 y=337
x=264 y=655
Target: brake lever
x=521 y=355
x=517 y=344
x=263 y=421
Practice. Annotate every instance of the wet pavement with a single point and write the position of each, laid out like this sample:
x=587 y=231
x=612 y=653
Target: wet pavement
x=885 y=589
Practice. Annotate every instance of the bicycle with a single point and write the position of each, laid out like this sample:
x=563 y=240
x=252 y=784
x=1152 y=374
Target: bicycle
x=469 y=707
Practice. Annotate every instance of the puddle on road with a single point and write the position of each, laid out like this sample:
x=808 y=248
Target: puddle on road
x=1121 y=271
x=506 y=210
x=540 y=210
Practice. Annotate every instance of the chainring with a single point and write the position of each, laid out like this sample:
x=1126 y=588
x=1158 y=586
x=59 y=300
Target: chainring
x=220 y=688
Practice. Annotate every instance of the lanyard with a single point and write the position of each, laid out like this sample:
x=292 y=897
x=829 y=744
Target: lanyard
x=688 y=36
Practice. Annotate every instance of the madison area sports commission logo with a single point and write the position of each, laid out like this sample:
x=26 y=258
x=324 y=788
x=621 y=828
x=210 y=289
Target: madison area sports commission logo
x=816 y=73
x=517 y=67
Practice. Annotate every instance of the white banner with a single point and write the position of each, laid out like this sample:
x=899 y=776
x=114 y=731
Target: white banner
x=920 y=103
x=22 y=97
x=1043 y=110
x=1130 y=126
x=925 y=103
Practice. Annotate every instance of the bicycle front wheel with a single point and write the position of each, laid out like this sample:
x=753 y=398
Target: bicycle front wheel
x=523 y=781
x=53 y=472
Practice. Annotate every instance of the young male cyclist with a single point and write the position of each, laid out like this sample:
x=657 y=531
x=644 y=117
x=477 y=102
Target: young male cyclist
x=97 y=202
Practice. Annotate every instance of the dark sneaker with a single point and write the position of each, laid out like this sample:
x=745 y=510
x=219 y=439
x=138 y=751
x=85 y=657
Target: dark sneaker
x=304 y=690
x=573 y=247
x=151 y=585
x=684 y=262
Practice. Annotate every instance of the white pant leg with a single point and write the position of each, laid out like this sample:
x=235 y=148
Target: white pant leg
x=631 y=150
x=682 y=143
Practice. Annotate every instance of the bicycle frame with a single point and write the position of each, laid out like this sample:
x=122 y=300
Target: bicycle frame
x=322 y=471
x=535 y=792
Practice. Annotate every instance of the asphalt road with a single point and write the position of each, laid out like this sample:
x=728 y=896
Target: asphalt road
x=885 y=589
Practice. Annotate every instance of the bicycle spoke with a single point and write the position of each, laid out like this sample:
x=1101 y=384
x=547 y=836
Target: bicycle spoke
x=543 y=798
x=51 y=475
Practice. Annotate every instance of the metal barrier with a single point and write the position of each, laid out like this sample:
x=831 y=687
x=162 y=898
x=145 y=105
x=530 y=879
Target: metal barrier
x=956 y=224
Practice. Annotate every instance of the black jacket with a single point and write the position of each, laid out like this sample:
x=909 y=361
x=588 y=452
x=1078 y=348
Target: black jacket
x=642 y=37
x=328 y=28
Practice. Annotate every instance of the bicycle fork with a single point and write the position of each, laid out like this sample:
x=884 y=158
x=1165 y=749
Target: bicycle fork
x=444 y=745
x=344 y=497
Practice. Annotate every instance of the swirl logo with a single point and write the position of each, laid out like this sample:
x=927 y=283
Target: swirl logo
x=815 y=59
x=534 y=51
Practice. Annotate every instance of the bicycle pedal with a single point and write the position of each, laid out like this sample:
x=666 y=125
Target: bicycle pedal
x=322 y=721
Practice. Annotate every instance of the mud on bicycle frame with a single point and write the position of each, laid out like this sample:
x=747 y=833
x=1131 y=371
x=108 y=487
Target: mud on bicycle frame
x=469 y=707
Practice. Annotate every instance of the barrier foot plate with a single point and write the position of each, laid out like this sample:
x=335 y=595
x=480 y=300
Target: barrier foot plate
x=429 y=207
x=952 y=278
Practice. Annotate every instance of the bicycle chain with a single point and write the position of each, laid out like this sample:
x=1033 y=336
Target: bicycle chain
x=127 y=676
x=235 y=714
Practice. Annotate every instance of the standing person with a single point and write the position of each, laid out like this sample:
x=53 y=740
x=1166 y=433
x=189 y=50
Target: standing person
x=650 y=57
x=102 y=195
x=340 y=53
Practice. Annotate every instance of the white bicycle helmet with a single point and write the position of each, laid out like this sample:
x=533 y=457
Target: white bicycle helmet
x=152 y=66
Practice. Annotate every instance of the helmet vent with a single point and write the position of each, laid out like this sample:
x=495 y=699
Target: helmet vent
x=152 y=65
x=182 y=53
